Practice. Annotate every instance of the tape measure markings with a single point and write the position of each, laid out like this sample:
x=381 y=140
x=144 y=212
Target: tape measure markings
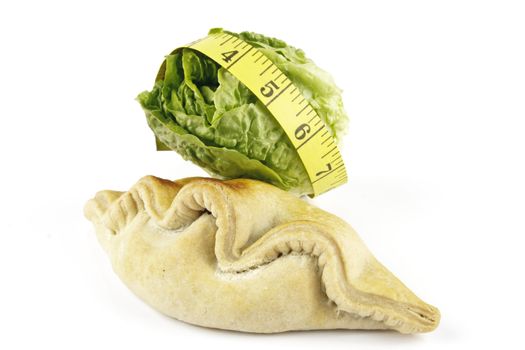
x=279 y=94
x=301 y=111
x=224 y=42
x=339 y=180
x=328 y=173
x=238 y=59
x=321 y=158
x=310 y=137
x=340 y=176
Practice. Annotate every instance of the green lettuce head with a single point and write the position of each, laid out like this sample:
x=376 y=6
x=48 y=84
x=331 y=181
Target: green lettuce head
x=200 y=110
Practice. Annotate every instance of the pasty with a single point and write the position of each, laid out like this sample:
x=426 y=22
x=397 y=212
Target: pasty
x=244 y=255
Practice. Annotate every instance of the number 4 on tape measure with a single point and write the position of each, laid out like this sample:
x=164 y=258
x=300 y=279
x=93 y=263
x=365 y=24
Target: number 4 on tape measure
x=300 y=121
x=228 y=55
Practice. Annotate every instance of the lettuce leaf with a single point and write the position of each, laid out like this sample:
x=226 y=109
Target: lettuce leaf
x=204 y=113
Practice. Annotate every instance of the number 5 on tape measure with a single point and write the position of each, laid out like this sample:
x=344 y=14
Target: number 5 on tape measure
x=302 y=125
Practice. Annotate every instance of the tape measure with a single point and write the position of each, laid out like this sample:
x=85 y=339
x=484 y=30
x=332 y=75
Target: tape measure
x=303 y=126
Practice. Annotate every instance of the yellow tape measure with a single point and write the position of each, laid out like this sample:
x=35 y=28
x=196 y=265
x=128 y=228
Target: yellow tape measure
x=305 y=129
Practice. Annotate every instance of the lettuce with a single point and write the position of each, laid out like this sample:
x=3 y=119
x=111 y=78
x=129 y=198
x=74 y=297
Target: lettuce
x=209 y=117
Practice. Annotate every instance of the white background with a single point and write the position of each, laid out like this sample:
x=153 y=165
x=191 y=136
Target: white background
x=435 y=151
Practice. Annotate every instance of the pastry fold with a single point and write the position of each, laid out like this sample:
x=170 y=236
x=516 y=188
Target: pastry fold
x=244 y=255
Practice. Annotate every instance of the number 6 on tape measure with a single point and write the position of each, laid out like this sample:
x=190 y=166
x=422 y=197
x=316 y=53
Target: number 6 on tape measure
x=300 y=121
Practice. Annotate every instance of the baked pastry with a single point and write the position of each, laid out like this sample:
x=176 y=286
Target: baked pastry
x=244 y=255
